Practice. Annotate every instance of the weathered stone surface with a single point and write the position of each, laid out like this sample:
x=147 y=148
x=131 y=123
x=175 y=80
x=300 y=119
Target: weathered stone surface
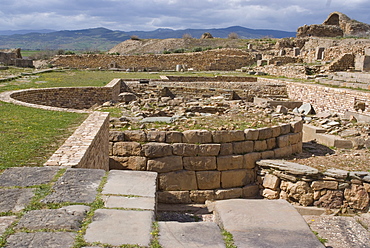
x=250 y=191
x=270 y=194
x=199 y=163
x=162 y=119
x=336 y=173
x=230 y=162
x=243 y=147
x=232 y=193
x=252 y=134
x=208 y=150
x=135 y=135
x=174 y=197
x=201 y=196
x=357 y=197
x=290 y=167
x=301 y=192
x=42 y=239
x=260 y=145
x=127 y=149
x=127 y=163
x=5 y=222
x=208 y=179
x=236 y=178
x=284 y=176
x=331 y=199
x=283 y=140
x=226 y=149
x=267 y=154
x=179 y=180
x=165 y=164
x=296 y=127
x=184 y=149
x=156 y=150
x=271 y=143
x=272 y=182
x=226 y=136
x=156 y=136
x=144 y=203
x=283 y=152
x=284 y=129
x=174 y=137
x=197 y=136
x=126 y=97
x=15 y=199
x=116 y=136
x=76 y=185
x=27 y=176
x=319 y=185
x=68 y=218
x=265 y=133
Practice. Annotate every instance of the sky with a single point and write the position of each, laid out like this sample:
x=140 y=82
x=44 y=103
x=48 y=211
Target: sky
x=146 y=15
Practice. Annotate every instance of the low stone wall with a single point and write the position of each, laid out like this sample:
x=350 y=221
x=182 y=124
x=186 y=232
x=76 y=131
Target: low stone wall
x=70 y=97
x=199 y=165
x=306 y=186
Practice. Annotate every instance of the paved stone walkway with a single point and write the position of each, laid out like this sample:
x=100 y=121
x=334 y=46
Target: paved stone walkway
x=58 y=207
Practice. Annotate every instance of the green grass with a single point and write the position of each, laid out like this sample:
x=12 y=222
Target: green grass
x=29 y=136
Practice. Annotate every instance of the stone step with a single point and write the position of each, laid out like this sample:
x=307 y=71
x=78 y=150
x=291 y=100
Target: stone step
x=264 y=223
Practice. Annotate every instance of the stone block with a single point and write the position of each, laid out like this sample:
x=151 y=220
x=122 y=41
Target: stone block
x=230 y=162
x=156 y=150
x=297 y=148
x=271 y=182
x=270 y=194
x=174 y=137
x=357 y=197
x=197 y=136
x=116 y=136
x=208 y=150
x=283 y=140
x=295 y=138
x=236 y=178
x=251 y=134
x=283 y=152
x=250 y=191
x=208 y=179
x=201 y=196
x=260 y=145
x=135 y=135
x=271 y=143
x=319 y=185
x=127 y=163
x=178 y=180
x=267 y=154
x=296 y=127
x=232 y=193
x=156 y=136
x=225 y=136
x=184 y=149
x=250 y=159
x=165 y=164
x=174 y=197
x=226 y=149
x=110 y=148
x=243 y=147
x=127 y=149
x=284 y=129
x=265 y=133
x=276 y=131
x=199 y=163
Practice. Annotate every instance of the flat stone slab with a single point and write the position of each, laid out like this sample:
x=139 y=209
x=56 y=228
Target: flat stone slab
x=340 y=231
x=27 y=176
x=68 y=218
x=158 y=119
x=119 y=227
x=290 y=167
x=135 y=183
x=15 y=200
x=264 y=223
x=41 y=239
x=5 y=222
x=145 y=203
x=190 y=235
x=76 y=186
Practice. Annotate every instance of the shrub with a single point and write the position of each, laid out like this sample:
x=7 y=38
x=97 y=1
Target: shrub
x=197 y=49
x=233 y=36
x=179 y=50
x=187 y=36
x=134 y=37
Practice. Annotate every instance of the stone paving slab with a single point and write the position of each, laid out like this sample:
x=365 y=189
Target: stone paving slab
x=264 y=223
x=190 y=235
x=76 y=186
x=145 y=203
x=340 y=231
x=68 y=218
x=118 y=227
x=139 y=183
x=5 y=222
x=27 y=176
x=41 y=239
x=15 y=199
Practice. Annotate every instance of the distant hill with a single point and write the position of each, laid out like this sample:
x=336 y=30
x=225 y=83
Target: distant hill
x=104 y=39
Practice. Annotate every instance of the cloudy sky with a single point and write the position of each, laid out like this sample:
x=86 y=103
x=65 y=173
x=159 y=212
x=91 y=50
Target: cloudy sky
x=131 y=15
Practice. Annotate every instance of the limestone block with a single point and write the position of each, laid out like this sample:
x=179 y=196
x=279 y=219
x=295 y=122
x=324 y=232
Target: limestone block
x=252 y=134
x=127 y=149
x=271 y=143
x=330 y=199
x=178 y=180
x=283 y=152
x=127 y=163
x=110 y=148
x=250 y=159
x=271 y=182
x=236 y=178
x=225 y=136
x=250 y=191
x=319 y=185
x=197 y=136
x=115 y=136
x=174 y=137
x=283 y=140
x=135 y=135
x=165 y=164
x=302 y=193
x=156 y=150
x=156 y=136
x=174 y=197
x=226 y=149
x=264 y=133
x=267 y=154
x=236 y=135
x=230 y=162
x=232 y=193
x=208 y=150
x=243 y=147
x=357 y=197
x=201 y=196
x=276 y=131
x=184 y=149
x=208 y=179
x=367 y=187
x=296 y=127
x=199 y=163
x=284 y=129
x=297 y=148
x=260 y=145
x=295 y=138
x=270 y=194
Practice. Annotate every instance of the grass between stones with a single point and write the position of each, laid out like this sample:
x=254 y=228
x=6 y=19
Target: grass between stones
x=229 y=239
